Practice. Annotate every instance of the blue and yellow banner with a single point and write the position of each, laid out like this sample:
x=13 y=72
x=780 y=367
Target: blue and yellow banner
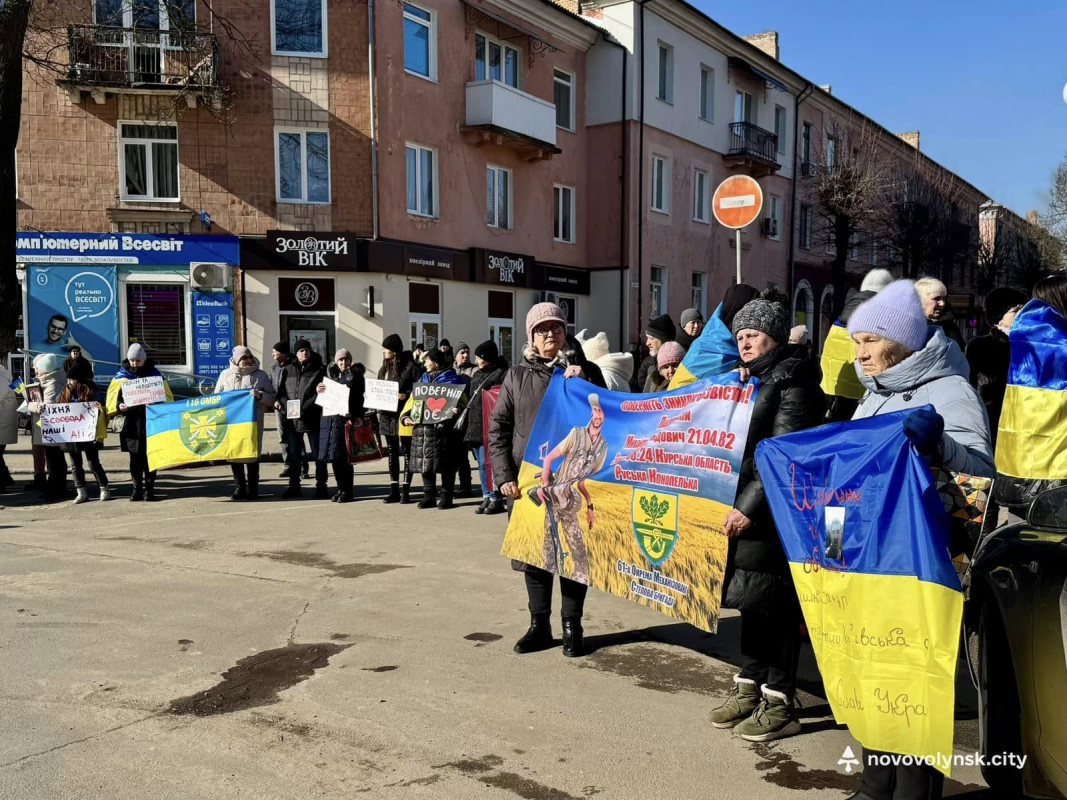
x=838 y=364
x=713 y=353
x=218 y=427
x=628 y=493
x=867 y=539
x=1032 y=438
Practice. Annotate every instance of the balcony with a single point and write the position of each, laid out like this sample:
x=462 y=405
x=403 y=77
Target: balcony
x=106 y=59
x=753 y=148
x=502 y=115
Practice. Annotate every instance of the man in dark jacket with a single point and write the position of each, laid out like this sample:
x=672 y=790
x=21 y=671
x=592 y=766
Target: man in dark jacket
x=299 y=384
x=989 y=356
x=692 y=324
x=757 y=580
x=282 y=358
x=398 y=365
x=491 y=368
x=333 y=449
x=659 y=331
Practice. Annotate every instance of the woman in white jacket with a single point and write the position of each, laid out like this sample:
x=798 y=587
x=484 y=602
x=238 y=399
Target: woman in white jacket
x=244 y=373
x=616 y=367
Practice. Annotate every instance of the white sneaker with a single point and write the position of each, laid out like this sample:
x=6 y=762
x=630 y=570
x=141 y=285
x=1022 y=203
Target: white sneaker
x=105 y=493
x=83 y=496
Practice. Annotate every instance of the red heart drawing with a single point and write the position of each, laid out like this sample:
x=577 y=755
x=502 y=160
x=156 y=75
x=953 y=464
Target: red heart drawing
x=436 y=405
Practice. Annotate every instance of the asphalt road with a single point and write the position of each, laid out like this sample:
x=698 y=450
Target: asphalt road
x=201 y=648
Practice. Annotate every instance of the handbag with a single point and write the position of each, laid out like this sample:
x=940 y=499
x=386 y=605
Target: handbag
x=360 y=442
x=965 y=498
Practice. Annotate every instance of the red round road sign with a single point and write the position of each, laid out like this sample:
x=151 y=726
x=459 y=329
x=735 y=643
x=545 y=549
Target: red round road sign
x=737 y=202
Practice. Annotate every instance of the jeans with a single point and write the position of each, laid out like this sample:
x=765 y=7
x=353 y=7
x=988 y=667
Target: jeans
x=92 y=455
x=899 y=782
x=295 y=453
x=770 y=644
x=488 y=492
x=539 y=591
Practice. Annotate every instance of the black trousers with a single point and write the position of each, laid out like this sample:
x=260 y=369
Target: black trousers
x=461 y=464
x=298 y=455
x=344 y=474
x=91 y=452
x=889 y=782
x=246 y=475
x=57 y=469
x=399 y=446
x=5 y=473
x=539 y=591
x=448 y=481
x=770 y=644
x=139 y=468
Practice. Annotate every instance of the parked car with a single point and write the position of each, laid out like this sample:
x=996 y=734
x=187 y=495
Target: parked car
x=1016 y=625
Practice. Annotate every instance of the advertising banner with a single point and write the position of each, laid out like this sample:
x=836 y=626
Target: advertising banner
x=212 y=333
x=73 y=307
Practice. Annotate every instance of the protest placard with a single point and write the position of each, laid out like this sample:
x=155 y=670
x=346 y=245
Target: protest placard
x=69 y=423
x=333 y=401
x=381 y=395
x=144 y=391
x=436 y=402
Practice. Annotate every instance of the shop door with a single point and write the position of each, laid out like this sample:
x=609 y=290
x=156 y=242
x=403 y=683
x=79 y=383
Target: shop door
x=425 y=328
x=502 y=323
x=424 y=308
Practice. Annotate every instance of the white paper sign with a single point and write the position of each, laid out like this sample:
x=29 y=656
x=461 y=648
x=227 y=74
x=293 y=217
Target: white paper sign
x=144 y=391
x=334 y=400
x=292 y=409
x=382 y=395
x=69 y=423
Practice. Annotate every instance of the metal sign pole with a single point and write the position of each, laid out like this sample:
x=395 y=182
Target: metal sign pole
x=737 y=233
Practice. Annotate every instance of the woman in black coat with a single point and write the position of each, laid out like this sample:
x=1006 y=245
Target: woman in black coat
x=757 y=580
x=491 y=368
x=332 y=445
x=521 y=392
x=432 y=444
x=989 y=356
x=299 y=381
x=398 y=366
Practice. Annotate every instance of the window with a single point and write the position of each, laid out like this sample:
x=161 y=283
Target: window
x=701 y=201
x=774 y=215
x=707 y=94
x=665 y=90
x=661 y=182
x=424 y=314
x=854 y=245
x=148 y=161
x=563 y=198
x=657 y=287
x=805 y=227
x=421 y=180
x=155 y=317
x=495 y=61
x=299 y=28
x=420 y=42
x=831 y=237
x=779 y=128
x=803 y=305
x=501 y=312
x=805 y=143
x=743 y=107
x=569 y=307
x=563 y=95
x=697 y=297
x=303 y=166
x=831 y=151
x=498 y=197
x=151 y=14
x=874 y=253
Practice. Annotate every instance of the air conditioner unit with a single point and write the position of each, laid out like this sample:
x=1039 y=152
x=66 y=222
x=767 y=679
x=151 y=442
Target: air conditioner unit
x=805 y=169
x=207 y=277
x=769 y=226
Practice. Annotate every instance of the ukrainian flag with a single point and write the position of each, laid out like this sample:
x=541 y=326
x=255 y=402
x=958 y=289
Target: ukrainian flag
x=838 y=364
x=866 y=536
x=713 y=353
x=1032 y=440
x=218 y=427
x=18 y=386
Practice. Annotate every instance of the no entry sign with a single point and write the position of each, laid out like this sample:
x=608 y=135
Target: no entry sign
x=737 y=202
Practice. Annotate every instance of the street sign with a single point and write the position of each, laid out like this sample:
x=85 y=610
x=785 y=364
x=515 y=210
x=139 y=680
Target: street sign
x=737 y=202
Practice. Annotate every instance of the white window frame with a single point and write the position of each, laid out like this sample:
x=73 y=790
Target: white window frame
x=153 y=278
x=781 y=113
x=504 y=46
x=323 y=53
x=700 y=305
x=665 y=73
x=565 y=302
x=701 y=196
x=494 y=326
x=665 y=184
x=149 y=175
x=431 y=57
x=435 y=213
x=805 y=227
x=657 y=291
x=774 y=211
x=571 y=82
x=706 y=104
x=497 y=169
x=280 y=129
x=557 y=190
x=744 y=101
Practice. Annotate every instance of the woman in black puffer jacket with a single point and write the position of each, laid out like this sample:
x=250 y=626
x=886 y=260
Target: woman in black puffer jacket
x=490 y=372
x=332 y=446
x=398 y=366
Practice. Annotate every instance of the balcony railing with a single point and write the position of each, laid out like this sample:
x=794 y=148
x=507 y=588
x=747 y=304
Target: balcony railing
x=751 y=141
x=132 y=59
x=495 y=105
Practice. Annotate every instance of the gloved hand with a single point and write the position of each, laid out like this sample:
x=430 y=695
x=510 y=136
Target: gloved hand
x=924 y=429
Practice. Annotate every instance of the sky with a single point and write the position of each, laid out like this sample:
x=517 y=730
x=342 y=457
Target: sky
x=982 y=80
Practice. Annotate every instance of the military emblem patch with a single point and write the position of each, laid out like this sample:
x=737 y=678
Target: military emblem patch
x=203 y=431
x=655 y=520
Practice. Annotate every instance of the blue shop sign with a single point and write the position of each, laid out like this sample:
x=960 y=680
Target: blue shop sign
x=125 y=248
x=212 y=333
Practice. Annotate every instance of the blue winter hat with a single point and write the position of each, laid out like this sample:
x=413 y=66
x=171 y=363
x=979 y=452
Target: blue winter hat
x=895 y=313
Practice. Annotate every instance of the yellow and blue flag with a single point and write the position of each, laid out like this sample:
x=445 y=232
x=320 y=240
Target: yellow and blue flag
x=18 y=386
x=867 y=539
x=838 y=364
x=713 y=353
x=1032 y=438
x=218 y=427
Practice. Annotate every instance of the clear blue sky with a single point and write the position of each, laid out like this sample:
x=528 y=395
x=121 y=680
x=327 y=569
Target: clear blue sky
x=981 y=79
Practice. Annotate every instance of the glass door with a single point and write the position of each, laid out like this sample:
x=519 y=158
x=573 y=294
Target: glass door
x=502 y=332
x=425 y=328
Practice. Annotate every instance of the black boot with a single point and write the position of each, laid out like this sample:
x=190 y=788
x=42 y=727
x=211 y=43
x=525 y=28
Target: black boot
x=285 y=471
x=37 y=484
x=496 y=507
x=253 y=481
x=405 y=494
x=573 y=640
x=484 y=505
x=344 y=496
x=446 y=500
x=429 y=498
x=150 y=489
x=538 y=637
x=138 y=492
x=240 y=491
x=394 y=494
x=322 y=493
x=293 y=490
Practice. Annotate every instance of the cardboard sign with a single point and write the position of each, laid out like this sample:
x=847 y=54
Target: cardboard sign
x=69 y=423
x=436 y=402
x=292 y=409
x=334 y=401
x=381 y=395
x=144 y=391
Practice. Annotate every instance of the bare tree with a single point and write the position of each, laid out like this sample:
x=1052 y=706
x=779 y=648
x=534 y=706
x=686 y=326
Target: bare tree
x=1052 y=225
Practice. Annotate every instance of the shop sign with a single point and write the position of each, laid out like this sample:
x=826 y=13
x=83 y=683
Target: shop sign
x=306 y=294
x=435 y=262
x=567 y=280
x=123 y=248
x=504 y=269
x=333 y=251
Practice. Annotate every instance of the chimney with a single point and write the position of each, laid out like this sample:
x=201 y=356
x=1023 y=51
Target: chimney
x=910 y=137
x=1033 y=217
x=827 y=88
x=766 y=41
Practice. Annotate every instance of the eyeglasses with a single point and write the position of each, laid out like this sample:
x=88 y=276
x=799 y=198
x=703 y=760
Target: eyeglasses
x=546 y=330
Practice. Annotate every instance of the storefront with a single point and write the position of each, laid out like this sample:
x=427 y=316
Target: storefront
x=101 y=292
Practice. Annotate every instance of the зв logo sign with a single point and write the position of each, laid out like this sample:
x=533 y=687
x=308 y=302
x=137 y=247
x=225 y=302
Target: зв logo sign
x=307 y=294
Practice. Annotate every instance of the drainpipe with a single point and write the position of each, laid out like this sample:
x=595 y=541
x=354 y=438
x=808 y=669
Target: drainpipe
x=641 y=184
x=623 y=305
x=800 y=98
x=373 y=118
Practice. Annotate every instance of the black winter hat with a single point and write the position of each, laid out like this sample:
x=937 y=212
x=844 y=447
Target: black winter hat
x=80 y=371
x=301 y=344
x=998 y=301
x=437 y=357
x=444 y=343
x=487 y=351
x=661 y=328
x=283 y=348
x=393 y=342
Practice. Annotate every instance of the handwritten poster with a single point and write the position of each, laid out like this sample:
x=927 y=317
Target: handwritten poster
x=69 y=423
x=436 y=402
x=144 y=391
x=381 y=395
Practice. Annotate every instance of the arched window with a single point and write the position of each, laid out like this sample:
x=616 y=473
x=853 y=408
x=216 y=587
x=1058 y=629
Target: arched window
x=803 y=305
x=826 y=314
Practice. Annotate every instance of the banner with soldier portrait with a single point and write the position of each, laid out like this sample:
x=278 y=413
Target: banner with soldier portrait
x=628 y=493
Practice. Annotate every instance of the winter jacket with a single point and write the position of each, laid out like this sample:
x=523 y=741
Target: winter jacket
x=9 y=403
x=521 y=392
x=947 y=323
x=276 y=374
x=234 y=378
x=80 y=361
x=684 y=339
x=432 y=445
x=405 y=373
x=481 y=381
x=936 y=376
x=989 y=357
x=637 y=385
x=467 y=370
x=134 y=433
x=655 y=382
x=332 y=445
x=299 y=381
